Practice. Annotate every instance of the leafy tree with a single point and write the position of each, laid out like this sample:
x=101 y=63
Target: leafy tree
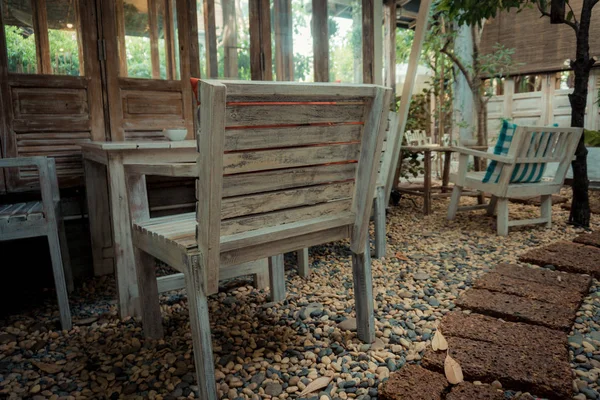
x=475 y=12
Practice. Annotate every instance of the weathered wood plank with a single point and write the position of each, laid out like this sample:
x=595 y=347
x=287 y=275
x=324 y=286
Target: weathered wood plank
x=256 y=182
x=290 y=157
x=265 y=202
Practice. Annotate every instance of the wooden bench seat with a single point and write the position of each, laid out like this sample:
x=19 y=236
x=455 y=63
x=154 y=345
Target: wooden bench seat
x=30 y=211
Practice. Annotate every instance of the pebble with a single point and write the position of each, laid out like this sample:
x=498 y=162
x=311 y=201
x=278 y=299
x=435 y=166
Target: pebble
x=275 y=350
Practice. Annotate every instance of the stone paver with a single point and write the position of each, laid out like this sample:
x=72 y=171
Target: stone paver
x=468 y=391
x=413 y=382
x=571 y=282
x=591 y=239
x=518 y=309
x=504 y=333
x=566 y=256
x=496 y=282
x=518 y=368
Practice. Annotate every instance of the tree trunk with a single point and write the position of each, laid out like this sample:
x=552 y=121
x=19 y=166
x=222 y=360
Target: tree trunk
x=580 y=206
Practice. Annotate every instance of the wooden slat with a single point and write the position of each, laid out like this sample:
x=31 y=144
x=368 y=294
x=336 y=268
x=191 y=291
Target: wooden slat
x=264 y=138
x=266 y=202
x=320 y=31
x=208 y=191
x=270 y=90
x=13 y=210
x=243 y=224
x=243 y=115
x=245 y=184
x=287 y=158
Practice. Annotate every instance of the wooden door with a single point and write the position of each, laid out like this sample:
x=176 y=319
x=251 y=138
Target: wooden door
x=50 y=85
x=146 y=97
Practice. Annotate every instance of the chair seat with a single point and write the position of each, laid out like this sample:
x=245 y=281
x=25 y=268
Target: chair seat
x=30 y=211
x=180 y=231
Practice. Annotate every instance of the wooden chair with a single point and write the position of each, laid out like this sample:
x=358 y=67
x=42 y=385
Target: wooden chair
x=42 y=218
x=281 y=166
x=385 y=180
x=417 y=138
x=530 y=146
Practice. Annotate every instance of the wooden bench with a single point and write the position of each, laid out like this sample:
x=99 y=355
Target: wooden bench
x=41 y=218
x=281 y=166
x=533 y=147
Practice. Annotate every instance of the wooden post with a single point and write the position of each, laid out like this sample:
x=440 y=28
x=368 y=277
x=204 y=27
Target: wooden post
x=212 y=68
x=260 y=40
x=185 y=63
x=320 y=31
x=40 y=28
x=284 y=47
x=411 y=73
x=193 y=46
x=119 y=14
x=378 y=42
x=368 y=41
x=153 y=25
x=557 y=11
x=230 y=58
x=389 y=18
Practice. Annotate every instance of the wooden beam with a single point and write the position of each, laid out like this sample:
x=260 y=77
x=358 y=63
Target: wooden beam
x=320 y=30
x=230 y=57
x=169 y=30
x=194 y=47
x=212 y=68
x=411 y=73
x=183 y=24
x=260 y=40
x=153 y=26
x=119 y=13
x=378 y=42
x=42 y=43
x=368 y=41
x=389 y=41
x=284 y=53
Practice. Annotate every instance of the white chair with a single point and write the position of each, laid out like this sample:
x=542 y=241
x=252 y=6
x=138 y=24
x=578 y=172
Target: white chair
x=518 y=171
x=418 y=138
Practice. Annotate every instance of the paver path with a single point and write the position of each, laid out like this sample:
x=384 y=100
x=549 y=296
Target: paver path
x=516 y=332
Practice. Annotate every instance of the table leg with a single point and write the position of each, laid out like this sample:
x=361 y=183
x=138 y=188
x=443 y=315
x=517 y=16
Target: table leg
x=446 y=170
x=121 y=223
x=427 y=188
x=96 y=189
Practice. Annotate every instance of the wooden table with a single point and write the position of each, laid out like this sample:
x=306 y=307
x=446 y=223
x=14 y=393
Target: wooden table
x=427 y=189
x=115 y=197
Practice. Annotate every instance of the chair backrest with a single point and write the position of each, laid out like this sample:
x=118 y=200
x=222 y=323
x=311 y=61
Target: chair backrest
x=532 y=148
x=416 y=138
x=278 y=153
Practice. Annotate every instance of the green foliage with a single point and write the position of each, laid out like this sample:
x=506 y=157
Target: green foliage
x=474 y=12
x=592 y=138
x=404 y=40
x=20 y=45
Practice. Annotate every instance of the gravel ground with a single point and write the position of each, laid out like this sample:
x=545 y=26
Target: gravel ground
x=267 y=350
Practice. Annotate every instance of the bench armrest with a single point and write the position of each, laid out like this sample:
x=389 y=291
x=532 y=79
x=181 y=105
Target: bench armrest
x=482 y=154
x=38 y=161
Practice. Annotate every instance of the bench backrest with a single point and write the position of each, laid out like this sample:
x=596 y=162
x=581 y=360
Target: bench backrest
x=533 y=148
x=278 y=153
x=390 y=150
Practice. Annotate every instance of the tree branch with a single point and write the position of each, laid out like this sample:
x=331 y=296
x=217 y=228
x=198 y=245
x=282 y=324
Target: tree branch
x=544 y=13
x=574 y=16
x=459 y=64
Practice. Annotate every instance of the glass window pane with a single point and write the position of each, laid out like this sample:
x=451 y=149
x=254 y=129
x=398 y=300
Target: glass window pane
x=528 y=83
x=345 y=41
x=137 y=39
x=64 y=37
x=20 y=37
x=302 y=40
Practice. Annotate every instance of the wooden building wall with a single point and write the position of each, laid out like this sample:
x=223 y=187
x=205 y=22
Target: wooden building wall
x=539 y=46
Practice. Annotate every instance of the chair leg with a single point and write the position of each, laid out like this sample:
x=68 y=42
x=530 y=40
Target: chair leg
x=379 y=206
x=277 y=278
x=148 y=294
x=502 y=220
x=454 y=202
x=200 y=325
x=546 y=208
x=261 y=278
x=491 y=208
x=363 y=296
x=66 y=258
x=59 y=281
x=303 y=264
